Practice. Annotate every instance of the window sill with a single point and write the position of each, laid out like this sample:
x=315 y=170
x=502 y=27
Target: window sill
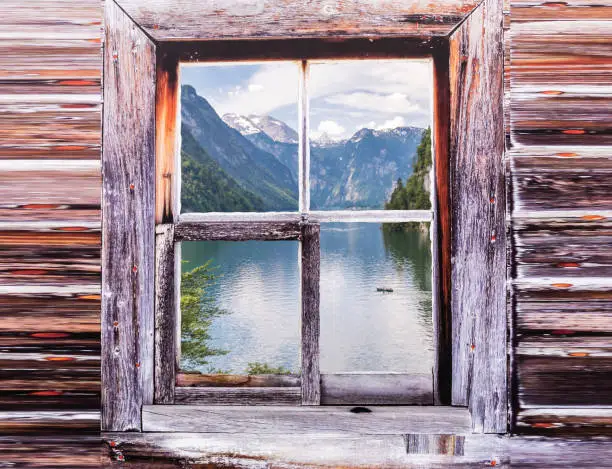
x=284 y=420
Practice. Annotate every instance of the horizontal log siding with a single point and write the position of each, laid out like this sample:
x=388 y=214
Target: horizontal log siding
x=561 y=162
x=50 y=186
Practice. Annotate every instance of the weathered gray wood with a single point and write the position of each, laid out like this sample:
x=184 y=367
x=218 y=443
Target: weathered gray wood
x=304 y=138
x=451 y=445
x=128 y=232
x=238 y=396
x=280 y=420
x=377 y=388
x=557 y=247
x=258 y=19
x=565 y=420
x=479 y=225
x=237 y=231
x=310 y=257
x=548 y=369
x=563 y=305
x=228 y=217
x=353 y=451
x=165 y=315
x=225 y=381
x=372 y=216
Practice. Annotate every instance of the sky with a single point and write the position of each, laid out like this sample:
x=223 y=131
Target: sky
x=345 y=96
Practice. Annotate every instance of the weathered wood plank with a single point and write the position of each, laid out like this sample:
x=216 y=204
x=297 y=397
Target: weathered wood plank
x=165 y=315
x=563 y=306
x=548 y=369
x=49 y=254
x=295 y=19
x=301 y=451
x=31 y=190
x=167 y=137
x=38 y=451
x=376 y=389
x=560 y=80
x=577 y=421
x=441 y=229
x=555 y=190
x=56 y=423
x=478 y=220
x=128 y=254
x=310 y=266
x=305 y=419
x=541 y=10
x=238 y=396
x=552 y=247
x=224 y=381
x=237 y=231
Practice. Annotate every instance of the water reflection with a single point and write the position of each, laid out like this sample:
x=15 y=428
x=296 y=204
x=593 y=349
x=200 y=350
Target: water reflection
x=361 y=329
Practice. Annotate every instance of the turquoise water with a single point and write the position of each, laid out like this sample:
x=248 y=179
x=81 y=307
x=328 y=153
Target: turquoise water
x=362 y=329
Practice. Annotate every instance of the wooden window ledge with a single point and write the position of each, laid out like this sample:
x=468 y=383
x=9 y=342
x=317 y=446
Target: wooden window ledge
x=282 y=420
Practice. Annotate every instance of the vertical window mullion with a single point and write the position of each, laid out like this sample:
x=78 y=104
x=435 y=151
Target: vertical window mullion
x=304 y=140
x=310 y=258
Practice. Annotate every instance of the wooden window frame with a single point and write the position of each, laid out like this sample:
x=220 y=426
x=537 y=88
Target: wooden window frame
x=142 y=50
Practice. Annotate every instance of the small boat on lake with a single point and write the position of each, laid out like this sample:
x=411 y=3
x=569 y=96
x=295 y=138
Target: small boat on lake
x=385 y=290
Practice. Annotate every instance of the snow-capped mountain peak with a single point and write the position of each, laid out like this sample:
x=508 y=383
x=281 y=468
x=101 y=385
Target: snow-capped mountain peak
x=253 y=124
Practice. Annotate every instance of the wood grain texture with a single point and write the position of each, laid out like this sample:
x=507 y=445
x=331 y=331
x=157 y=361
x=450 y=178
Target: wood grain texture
x=353 y=451
x=310 y=270
x=563 y=306
x=237 y=231
x=238 y=396
x=267 y=19
x=478 y=295
x=225 y=381
x=165 y=315
x=128 y=232
x=549 y=368
x=167 y=139
x=552 y=247
x=561 y=81
x=43 y=253
x=376 y=389
x=51 y=451
x=305 y=419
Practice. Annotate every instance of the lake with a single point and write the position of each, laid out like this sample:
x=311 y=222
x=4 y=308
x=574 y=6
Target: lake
x=362 y=330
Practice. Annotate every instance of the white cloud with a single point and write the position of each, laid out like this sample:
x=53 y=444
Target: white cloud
x=381 y=103
x=255 y=87
x=397 y=121
x=330 y=128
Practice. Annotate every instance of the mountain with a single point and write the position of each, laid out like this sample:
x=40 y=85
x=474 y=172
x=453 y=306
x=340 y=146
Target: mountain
x=253 y=169
x=252 y=124
x=256 y=158
x=206 y=187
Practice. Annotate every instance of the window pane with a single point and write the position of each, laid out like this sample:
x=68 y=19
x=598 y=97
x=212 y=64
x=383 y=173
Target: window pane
x=245 y=319
x=376 y=298
x=239 y=143
x=369 y=147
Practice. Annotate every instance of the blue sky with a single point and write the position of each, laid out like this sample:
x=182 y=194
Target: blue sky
x=345 y=96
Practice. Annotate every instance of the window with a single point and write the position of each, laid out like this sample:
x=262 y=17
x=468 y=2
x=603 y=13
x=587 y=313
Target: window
x=363 y=235
x=143 y=222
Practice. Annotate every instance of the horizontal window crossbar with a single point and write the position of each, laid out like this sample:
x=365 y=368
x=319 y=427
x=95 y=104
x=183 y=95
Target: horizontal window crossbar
x=372 y=216
x=237 y=231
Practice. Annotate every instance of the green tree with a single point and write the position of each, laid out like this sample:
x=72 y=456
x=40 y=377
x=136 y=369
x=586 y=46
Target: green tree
x=197 y=312
x=413 y=195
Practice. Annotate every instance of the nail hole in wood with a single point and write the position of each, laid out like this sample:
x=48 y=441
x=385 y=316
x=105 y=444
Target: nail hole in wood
x=360 y=410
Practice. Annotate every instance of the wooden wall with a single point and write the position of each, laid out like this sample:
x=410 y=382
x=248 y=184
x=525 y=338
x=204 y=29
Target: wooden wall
x=559 y=119
x=50 y=110
x=559 y=114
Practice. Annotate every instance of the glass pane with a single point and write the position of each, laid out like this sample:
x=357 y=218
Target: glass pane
x=240 y=312
x=376 y=298
x=370 y=145
x=239 y=143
